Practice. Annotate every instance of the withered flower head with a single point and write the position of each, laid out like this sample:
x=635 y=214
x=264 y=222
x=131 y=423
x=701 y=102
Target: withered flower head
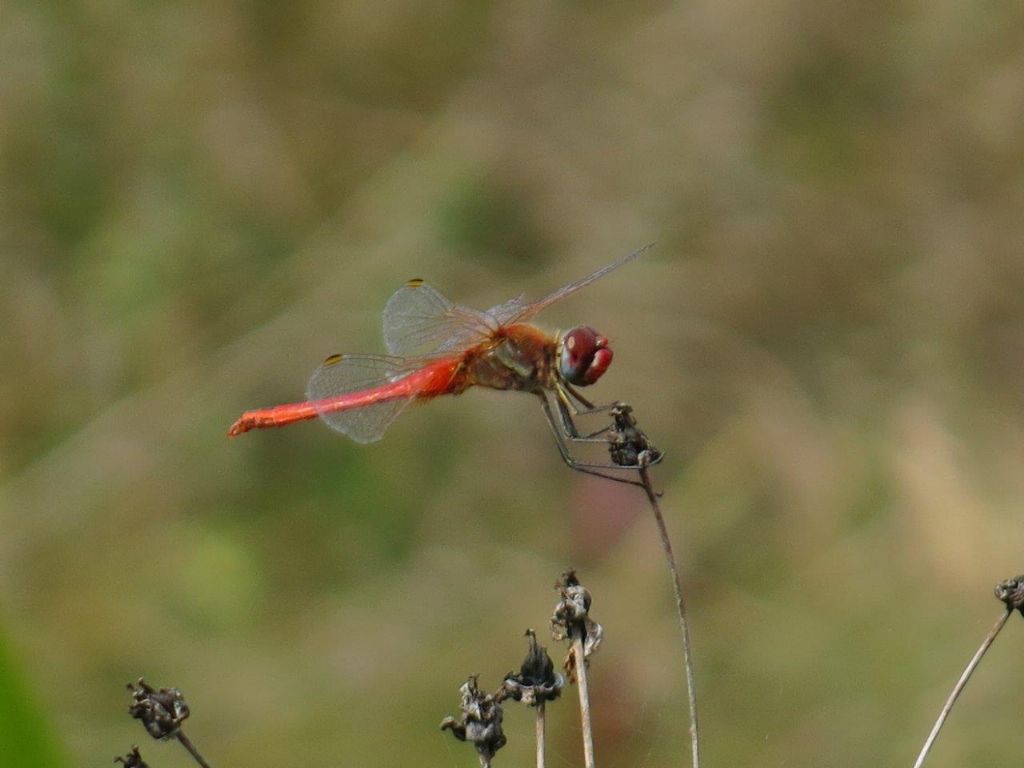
x=161 y=711
x=571 y=619
x=536 y=681
x=628 y=445
x=1011 y=592
x=132 y=760
x=572 y=612
x=480 y=722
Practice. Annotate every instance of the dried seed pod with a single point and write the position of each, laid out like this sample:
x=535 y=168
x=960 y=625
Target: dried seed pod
x=480 y=723
x=161 y=711
x=536 y=682
x=132 y=760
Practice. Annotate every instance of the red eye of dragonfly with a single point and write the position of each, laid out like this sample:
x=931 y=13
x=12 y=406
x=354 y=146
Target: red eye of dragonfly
x=585 y=355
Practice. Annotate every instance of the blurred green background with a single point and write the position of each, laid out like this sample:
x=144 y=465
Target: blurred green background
x=200 y=201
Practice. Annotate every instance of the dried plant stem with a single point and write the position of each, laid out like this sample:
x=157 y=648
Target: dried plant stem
x=187 y=744
x=677 y=586
x=540 y=726
x=580 y=667
x=960 y=685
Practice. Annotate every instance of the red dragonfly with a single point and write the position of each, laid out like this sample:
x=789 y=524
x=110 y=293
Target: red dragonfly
x=440 y=348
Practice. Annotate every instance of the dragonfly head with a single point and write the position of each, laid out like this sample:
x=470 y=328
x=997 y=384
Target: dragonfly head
x=583 y=355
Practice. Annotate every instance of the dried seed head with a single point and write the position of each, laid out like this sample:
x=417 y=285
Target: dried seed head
x=1011 y=592
x=571 y=618
x=536 y=682
x=628 y=445
x=480 y=722
x=132 y=760
x=161 y=711
x=573 y=606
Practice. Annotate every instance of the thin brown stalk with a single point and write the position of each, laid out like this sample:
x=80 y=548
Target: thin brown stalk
x=187 y=744
x=677 y=586
x=580 y=667
x=540 y=727
x=960 y=685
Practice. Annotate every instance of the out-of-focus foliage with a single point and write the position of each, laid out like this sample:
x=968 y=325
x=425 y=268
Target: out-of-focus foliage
x=200 y=201
x=24 y=736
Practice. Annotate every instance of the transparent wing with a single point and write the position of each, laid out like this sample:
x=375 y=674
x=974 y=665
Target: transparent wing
x=344 y=374
x=504 y=312
x=526 y=311
x=419 y=321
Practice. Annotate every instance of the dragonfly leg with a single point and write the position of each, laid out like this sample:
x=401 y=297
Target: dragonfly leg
x=578 y=404
x=628 y=445
x=627 y=452
x=627 y=440
x=567 y=409
x=565 y=432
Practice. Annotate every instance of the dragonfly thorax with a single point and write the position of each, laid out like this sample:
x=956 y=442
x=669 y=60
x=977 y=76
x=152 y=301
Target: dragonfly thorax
x=520 y=357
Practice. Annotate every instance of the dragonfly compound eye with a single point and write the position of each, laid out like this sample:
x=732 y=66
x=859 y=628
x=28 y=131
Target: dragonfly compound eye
x=584 y=356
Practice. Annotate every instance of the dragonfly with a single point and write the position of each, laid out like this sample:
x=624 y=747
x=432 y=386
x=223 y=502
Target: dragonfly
x=437 y=347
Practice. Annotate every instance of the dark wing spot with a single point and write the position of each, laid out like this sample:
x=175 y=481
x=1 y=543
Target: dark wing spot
x=333 y=359
x=416 y=282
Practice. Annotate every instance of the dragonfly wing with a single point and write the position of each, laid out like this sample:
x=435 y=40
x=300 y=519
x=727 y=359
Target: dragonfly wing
x=531 y=309
x=507 y=310
x=344 y=374
x=419 y=321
